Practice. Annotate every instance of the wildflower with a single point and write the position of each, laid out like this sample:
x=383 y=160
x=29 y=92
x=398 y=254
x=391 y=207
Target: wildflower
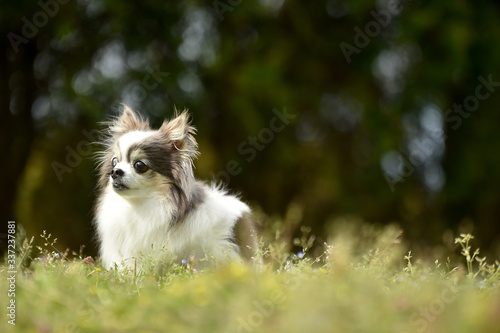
x=482 y=284
x=56 y=255
x=89 y=260
x=184 y=261
x=300 y=254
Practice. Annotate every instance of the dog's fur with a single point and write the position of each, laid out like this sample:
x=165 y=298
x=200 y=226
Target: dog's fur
x=164 y=208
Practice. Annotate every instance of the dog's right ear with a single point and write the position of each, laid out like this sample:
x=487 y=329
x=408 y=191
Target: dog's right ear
x=128 y=121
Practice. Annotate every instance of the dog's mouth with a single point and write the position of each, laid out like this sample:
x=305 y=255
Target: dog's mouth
x=119 y=186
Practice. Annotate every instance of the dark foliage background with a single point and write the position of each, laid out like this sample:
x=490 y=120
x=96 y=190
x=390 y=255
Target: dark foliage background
x=374 y=135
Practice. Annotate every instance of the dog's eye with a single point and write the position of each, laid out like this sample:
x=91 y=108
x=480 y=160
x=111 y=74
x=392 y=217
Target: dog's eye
x=114 y=161
x=140 y=167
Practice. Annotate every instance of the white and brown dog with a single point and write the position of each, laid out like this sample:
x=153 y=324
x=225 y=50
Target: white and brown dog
x=150 y=202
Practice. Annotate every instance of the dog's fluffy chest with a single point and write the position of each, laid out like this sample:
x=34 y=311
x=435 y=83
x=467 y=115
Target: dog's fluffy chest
x=128 y=229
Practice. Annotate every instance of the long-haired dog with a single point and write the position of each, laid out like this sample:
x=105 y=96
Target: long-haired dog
x=150 y=202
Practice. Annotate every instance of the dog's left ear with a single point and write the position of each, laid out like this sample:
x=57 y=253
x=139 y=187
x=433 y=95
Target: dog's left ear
x=127 y=121
x=180 y=133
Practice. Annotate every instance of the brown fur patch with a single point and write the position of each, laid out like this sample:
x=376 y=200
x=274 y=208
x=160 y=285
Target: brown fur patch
x=245 y=236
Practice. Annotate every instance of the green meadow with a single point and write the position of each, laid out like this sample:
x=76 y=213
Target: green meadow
x=363 y=279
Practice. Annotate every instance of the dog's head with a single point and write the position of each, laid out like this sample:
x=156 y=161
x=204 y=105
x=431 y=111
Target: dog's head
x=139 y=161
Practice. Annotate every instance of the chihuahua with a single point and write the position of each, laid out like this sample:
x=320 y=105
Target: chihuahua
x=150 y=202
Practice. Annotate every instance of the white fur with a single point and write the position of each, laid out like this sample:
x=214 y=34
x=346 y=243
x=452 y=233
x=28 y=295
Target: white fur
x=130 y=138
x=129 y=228
x=138 y=184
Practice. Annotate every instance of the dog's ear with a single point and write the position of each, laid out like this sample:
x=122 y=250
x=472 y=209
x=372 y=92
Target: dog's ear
x=180 y=133
x=128 y=121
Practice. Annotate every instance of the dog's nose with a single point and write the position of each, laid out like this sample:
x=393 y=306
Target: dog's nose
x=116 y=173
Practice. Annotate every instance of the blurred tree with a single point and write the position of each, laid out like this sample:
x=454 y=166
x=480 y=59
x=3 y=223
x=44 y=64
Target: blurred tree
x=366 y=85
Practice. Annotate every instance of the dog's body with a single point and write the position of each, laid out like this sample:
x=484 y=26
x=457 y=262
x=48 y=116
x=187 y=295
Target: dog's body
x=150 y=201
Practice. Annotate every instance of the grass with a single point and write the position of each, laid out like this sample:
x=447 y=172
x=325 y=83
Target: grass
x=363 y=280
